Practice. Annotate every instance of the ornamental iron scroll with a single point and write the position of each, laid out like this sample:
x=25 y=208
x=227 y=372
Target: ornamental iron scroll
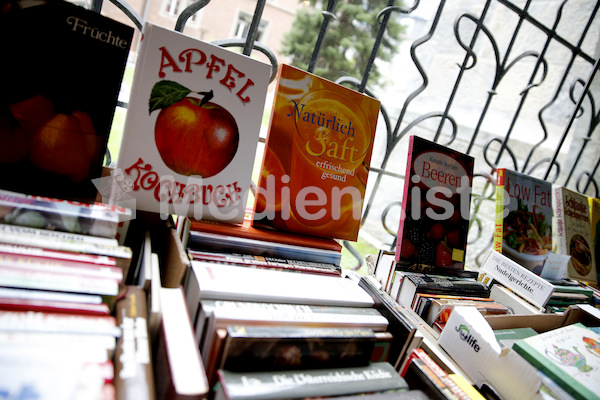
x=512 y=83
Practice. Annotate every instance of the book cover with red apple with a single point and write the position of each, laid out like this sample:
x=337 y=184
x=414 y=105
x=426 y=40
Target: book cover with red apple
x=317 y=156
x=523 y=229
x=59 y=95
x=192 y=127
x=432 y=236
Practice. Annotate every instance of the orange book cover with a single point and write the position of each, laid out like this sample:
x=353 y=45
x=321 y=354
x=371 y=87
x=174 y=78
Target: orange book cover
x=246 y=230
x=317 y=157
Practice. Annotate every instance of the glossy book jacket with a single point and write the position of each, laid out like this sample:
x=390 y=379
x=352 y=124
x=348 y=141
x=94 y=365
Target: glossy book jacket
x=59 y=96
x=192 y=127
x=317 y=156
x=432 y=235
x=523 y=229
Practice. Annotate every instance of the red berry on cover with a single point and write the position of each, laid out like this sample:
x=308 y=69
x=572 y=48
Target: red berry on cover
x=443 y=255
x=453 y=238
x=408 y=250
x=437 y=231
x=455 y=218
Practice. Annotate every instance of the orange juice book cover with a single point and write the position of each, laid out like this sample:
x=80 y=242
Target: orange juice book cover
x=192 y=126
x=317 y=156
x=61 y=77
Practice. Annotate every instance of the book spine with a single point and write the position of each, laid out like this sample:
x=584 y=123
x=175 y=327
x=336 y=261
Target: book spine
x=133 y=364
x=405 y=205
x=454 y=388
x=201 y=240
x=57 y=255
x=44 y=280
x=53 y=306
x=60 y=266
x=500 y=203
x=245 y=230
x=339 y=348
x=268 y=262
x=24 y=321
x=62 y=241
x=104 y=344
x=33 y=211
x=400 y=326
x=327 y=382
x=559 y=239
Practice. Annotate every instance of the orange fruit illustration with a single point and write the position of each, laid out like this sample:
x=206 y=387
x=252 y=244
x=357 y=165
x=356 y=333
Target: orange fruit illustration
x=59 y=146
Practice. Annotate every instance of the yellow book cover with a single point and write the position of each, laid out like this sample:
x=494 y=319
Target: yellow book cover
x=523 y=229
x=573 y=232
x=595 y=222
x=317 y=156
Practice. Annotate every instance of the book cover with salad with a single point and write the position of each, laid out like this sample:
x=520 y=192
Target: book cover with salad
x=432 y=236
x=572 y=233
x=317 y=156
x=523 y=230
x=192 y=127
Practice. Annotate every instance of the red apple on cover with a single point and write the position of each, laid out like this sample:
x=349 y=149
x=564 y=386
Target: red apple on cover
x=193 y=135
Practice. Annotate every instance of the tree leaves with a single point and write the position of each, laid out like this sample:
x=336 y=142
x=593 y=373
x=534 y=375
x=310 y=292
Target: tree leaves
x=166 y=93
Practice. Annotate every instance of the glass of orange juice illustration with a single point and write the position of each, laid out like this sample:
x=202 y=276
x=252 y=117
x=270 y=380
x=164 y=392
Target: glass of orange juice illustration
x=330 y=143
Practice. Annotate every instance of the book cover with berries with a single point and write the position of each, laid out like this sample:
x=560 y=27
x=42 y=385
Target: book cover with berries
x=317 y=156
x=192 y=127
x=523 y=230
x=432 y=236
x=572 y=232
x=569 y=355
x=59 y=95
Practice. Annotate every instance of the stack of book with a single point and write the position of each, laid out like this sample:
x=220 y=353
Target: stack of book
x=61 y=269
x=261 y=325
x=247 y=245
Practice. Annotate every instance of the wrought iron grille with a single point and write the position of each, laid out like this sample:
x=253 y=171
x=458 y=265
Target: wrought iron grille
x=512 y=83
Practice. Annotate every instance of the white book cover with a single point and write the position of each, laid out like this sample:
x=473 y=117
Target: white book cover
x=513 y=301
x=192 y=127
x=230 y=282
x=500 y=268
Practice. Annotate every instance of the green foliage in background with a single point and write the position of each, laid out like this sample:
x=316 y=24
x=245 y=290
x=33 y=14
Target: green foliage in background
x=348 y=41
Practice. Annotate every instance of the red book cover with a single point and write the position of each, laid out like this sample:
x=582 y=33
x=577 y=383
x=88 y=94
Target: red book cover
x=51 y=306
x=317 y=156
x=40 y=263
x=434 y=221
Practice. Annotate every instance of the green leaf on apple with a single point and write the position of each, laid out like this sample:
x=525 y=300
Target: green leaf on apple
x=165 y=94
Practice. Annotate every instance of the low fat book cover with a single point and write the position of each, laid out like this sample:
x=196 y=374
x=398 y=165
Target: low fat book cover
x=317 y=156
x=573 y=233
x=523 y=229
x=434 y=221
x=59 y=95
x=192 y=127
